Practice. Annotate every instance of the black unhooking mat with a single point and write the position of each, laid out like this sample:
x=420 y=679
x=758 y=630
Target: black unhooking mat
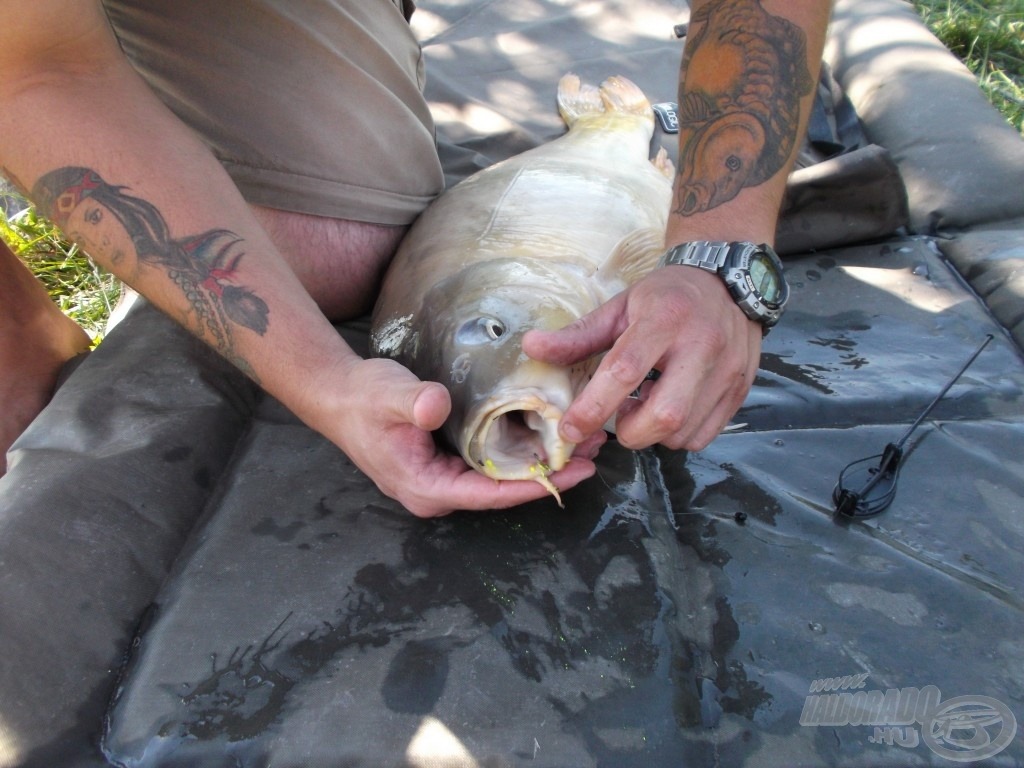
x=190 y=577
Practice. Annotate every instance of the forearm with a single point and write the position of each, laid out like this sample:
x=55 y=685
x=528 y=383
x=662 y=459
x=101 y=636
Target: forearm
x=104 y=158
x=747 y=83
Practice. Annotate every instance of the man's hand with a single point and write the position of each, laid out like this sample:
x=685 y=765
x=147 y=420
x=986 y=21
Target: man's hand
x=385 y=425
x=679 y=321
x=729 y=185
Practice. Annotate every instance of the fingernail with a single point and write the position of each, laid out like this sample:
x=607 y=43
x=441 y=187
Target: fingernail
x=571 y=433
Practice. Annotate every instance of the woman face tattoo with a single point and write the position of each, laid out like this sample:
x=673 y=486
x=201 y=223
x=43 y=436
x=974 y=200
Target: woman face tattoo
x=131 y=232
x=96 y=228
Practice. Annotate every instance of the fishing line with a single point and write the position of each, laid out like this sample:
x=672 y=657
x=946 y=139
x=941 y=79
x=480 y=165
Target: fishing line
x=876 y=485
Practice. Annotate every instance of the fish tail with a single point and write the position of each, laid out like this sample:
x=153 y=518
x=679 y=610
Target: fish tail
x=576 y=99
x=622 y=95
x=616 y=95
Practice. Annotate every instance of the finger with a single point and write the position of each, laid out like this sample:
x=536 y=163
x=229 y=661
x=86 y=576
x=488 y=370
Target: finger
x=674 y=405
x=731 y=401
x=622 y=370
x=711 y=427
x=689 y=405
x=468 y=490
x=430 y=407
x=590 y=335
x=590 y=447
x=404 y=399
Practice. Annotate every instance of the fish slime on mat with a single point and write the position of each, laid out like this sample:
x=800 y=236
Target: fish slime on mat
x=535 y=241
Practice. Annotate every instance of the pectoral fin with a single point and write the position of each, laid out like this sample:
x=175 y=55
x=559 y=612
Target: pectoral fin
x=633 y=257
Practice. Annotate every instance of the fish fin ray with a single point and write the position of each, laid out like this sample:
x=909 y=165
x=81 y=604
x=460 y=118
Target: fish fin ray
x=576 y=99
x=622 y=95
x=633 y=256
x=664 y=165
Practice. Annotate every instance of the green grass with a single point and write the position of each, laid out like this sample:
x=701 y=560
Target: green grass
x=82 y=290
x=988 y=35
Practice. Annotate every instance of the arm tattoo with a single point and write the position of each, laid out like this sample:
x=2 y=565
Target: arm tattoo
x=204 y=266
x=739 y=101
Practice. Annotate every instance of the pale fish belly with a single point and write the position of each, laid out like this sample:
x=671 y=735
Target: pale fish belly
x=536 y=241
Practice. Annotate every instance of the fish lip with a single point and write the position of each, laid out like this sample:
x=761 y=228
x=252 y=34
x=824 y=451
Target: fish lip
x=487 y=431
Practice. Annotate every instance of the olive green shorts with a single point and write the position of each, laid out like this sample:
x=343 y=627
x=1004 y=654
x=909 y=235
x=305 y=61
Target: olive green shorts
x=312 y=106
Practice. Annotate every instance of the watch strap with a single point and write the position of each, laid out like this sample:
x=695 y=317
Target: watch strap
x=706 y=254
x=724 y=259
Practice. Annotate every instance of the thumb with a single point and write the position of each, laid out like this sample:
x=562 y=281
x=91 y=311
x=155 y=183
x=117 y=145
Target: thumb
x=399 y=396
x=430 y=405
x=591 y=334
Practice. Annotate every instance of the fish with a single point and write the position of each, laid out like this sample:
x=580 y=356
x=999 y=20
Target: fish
x=535 y=241
x=738 y=129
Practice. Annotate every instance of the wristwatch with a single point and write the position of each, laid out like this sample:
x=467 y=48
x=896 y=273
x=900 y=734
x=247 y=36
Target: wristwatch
x=752 y=273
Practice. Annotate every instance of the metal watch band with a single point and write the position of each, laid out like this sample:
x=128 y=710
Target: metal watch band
x=730 y=261
x=706 y=254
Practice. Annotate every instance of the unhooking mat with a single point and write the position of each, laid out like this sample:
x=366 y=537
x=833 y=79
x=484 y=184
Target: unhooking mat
x=190 y=577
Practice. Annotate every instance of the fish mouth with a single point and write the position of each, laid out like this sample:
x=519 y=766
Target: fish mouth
x=517 y=439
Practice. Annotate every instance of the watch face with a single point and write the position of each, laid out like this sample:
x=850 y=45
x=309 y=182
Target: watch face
x=766 y=279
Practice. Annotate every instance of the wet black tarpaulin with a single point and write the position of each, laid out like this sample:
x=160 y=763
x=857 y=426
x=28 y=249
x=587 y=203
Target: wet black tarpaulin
x=309 y=624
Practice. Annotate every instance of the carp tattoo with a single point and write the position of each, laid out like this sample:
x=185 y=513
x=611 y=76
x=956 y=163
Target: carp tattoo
x=203 y=266
x=739 y=101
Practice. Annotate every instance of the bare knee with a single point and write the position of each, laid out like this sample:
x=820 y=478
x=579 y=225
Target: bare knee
x=340 y=262
x=36 y=339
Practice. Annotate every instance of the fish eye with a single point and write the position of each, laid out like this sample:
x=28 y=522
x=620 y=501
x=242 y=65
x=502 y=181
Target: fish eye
x=480 y=330
x=733 y=163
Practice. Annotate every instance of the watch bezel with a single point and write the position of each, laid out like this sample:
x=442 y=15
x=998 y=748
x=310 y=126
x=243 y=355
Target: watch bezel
x=736 y=274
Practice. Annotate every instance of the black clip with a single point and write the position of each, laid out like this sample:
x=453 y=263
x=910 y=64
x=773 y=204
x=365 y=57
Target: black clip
x=877 y=485
x=668 y=116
